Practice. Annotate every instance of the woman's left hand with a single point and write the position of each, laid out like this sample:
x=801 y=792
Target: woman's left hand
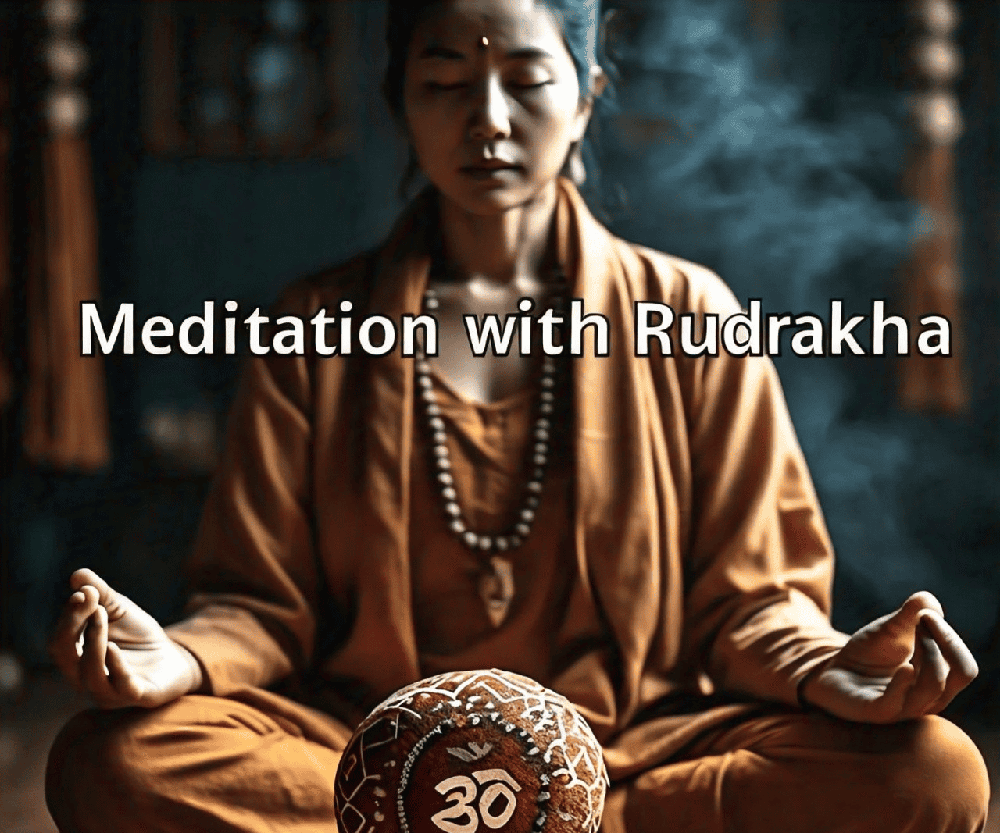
x=905 y=665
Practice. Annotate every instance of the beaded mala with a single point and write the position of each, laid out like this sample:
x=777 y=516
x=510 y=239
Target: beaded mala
x=496 y=586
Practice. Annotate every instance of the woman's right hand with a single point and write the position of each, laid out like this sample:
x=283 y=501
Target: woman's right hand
x=111 y=648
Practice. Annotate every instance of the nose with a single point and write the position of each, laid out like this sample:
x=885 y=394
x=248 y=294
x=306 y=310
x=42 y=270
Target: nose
x=491 y=116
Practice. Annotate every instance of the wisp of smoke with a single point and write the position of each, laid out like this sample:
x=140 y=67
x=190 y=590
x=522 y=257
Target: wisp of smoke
x=724 y=152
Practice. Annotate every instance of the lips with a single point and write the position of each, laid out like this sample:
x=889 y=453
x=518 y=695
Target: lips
x=493 y=164
x=490 y=163
x=489 y=168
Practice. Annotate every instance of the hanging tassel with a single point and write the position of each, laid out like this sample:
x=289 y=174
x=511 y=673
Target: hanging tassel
x=931 y=282
x=65 y=419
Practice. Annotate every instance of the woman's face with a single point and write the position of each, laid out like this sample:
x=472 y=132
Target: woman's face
x=492 y=101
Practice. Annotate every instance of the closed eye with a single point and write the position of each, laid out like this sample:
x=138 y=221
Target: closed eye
x=529 y=85
x=530 y=76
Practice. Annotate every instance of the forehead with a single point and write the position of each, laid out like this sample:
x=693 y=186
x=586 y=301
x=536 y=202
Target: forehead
x=508 y=24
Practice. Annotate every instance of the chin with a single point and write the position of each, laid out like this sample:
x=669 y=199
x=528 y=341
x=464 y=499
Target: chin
x=488 y=201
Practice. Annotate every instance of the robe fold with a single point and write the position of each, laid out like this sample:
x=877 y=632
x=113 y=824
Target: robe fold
x=695 y=526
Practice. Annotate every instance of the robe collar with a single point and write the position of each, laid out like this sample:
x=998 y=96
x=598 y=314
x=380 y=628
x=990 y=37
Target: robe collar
x=618 y=455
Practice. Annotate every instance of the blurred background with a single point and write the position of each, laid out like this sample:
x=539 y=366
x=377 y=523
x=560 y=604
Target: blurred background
x=168 y=153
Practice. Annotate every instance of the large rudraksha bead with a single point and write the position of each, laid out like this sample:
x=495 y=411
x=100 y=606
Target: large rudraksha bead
x=472 y=752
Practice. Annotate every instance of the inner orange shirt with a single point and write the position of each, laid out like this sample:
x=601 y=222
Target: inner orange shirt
x=552 y=619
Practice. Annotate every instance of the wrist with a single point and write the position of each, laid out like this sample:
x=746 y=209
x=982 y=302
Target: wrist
x=807 y=685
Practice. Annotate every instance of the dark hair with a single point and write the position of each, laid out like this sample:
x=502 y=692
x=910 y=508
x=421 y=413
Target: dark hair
x=580 y=23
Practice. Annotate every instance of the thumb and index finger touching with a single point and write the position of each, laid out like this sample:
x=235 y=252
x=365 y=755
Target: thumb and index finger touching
x=108 y=598
x=892 y=637
x=942 y=664
x=909 y=614
x=90 y=593
x=923 y=616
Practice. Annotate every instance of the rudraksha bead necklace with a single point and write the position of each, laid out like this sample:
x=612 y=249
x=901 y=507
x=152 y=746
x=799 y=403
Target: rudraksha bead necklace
x=538 y=460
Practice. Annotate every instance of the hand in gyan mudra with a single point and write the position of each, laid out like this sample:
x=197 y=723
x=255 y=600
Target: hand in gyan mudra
x=108 y=646
x=902 y=666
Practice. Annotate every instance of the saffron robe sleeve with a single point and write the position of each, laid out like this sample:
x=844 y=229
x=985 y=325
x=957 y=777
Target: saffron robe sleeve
x=252 y=616
x=759 y=569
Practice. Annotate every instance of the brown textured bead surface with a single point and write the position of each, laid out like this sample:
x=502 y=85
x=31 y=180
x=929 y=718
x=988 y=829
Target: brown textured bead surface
x=470 y=752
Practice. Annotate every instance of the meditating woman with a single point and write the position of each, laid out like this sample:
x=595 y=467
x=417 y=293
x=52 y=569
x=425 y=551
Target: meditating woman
x=639 y=534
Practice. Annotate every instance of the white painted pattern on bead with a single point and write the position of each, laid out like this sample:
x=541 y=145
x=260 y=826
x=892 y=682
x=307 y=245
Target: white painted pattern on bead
x=544 y=709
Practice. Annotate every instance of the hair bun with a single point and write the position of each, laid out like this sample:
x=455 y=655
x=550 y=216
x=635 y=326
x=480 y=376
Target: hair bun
x=471 y=752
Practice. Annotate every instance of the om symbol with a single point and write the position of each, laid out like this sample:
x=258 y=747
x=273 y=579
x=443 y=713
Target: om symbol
x=461 y=816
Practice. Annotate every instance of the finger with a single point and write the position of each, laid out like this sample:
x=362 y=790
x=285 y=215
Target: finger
x=962 y=665
x=931 y=679
x=927 y=600
x=109 y=598
x=66 y=641
x=893 y=699
x=906 y=617
x=82 y=577
x=955 y=651
x=120 y=676
x=73 y=619
x=92 y=662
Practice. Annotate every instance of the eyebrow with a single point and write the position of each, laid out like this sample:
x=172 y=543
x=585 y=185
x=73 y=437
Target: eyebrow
x=529 y=52
x=526 y=53
x=434 y=51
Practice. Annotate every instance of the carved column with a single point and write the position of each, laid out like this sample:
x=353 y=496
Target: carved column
x=931 y=277
x=65 y=412
x=6 y=118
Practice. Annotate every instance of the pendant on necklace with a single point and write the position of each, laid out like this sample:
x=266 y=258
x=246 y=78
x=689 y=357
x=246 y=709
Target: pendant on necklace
x=496 y=588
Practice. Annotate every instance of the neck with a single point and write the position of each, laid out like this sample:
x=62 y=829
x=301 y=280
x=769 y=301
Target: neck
x=500 y=247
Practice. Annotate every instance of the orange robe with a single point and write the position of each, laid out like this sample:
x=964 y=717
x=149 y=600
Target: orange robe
x=691 y=595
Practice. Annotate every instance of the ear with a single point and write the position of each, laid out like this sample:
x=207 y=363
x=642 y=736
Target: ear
x=598 y=82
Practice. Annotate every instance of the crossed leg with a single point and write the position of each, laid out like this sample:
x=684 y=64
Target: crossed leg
x=795 y=772
x=198 y=765
x=262 y=763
